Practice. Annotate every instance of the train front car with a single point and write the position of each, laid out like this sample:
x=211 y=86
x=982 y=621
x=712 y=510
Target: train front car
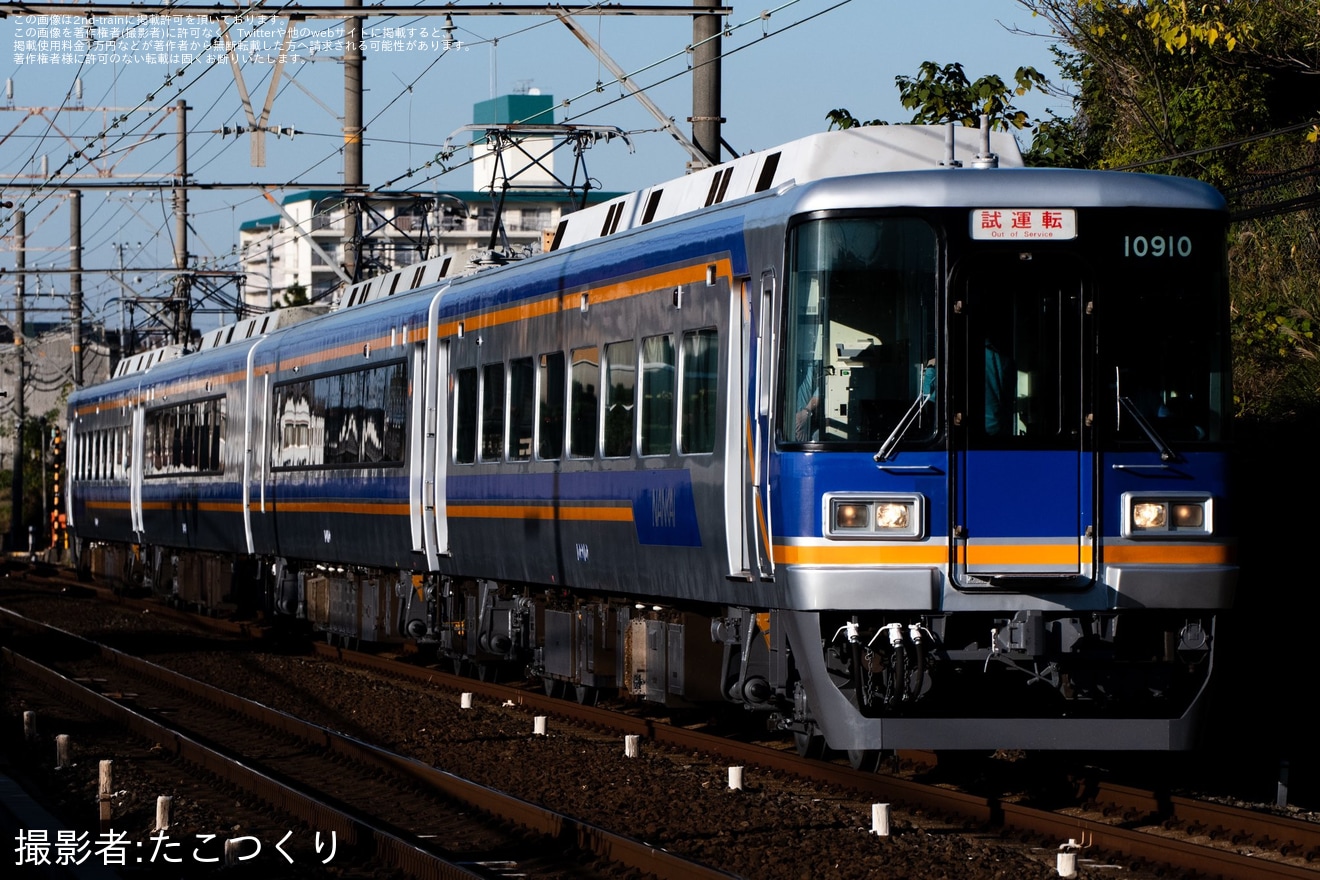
x=997 y=490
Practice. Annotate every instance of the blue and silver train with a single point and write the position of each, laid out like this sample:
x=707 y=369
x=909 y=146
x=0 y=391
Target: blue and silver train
x=878 y=433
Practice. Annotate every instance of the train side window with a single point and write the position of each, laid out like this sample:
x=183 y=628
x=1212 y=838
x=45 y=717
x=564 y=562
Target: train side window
x=585 y=404
x=620 y=397
x=376 y=413
x=699 y=401
x=522 y=379
x=657 y=395
x=343 y=440
x=184 y=439
x=465 y=416
x=396 y=412
x=218 y=439
x=492 y=412
x=202 y=437
x=293 y=425
x=550 y=418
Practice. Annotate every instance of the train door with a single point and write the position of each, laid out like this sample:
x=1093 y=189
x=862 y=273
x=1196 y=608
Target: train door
x=760 y=360
x=258 y=518
x=429 y=513
x=738 y=466
x=135 y=469
x=1022 y=507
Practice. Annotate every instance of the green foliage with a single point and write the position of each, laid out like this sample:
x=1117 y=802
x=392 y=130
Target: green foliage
x=1195 y=90
x=842 y=119
x=1219 y=91
x=294 y=295
x=1276 y=355
x=36 y=502
x=1176 y=26
x=944 y=94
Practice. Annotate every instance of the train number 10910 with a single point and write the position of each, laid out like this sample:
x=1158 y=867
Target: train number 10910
x=1157 y=246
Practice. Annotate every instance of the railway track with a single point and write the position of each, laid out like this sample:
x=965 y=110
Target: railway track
x=1139 y=830
x=1129 y=824
x=422 y=821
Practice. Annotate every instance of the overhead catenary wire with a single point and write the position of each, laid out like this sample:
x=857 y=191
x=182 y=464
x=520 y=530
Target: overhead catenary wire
x=113 y=136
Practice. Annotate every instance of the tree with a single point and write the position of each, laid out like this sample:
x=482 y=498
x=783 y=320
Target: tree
x=944 y=94
x=1223 y=92
x=1164 y=79
x=294 y=295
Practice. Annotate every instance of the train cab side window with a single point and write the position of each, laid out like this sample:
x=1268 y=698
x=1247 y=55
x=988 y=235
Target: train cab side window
x=861 y=330
x=492 y=412
x=657 y=395
x=550 y=403
x=698 y=404
x=585 y=402
x=521 y=413
x=620 y=397
x=465 y=416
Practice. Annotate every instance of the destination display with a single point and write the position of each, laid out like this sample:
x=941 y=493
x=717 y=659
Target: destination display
x=1017 y=224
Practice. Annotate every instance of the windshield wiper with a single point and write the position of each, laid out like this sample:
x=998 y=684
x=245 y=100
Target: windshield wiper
x=1165 y=450
x=887 y=448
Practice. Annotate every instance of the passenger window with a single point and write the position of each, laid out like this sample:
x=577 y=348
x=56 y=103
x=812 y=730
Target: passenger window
x=492 y=412
x=620 y=397
x=700 y=391
x=550 y=419
x=586 y=403
x=521 y=413
x=465 y=417
x=658 y=395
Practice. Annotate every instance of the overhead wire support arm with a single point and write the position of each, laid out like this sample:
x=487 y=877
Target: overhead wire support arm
x=312 y=242
x=504 y=137
x=699 y=159
x=257 y=127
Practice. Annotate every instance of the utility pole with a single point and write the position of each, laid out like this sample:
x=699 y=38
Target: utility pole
x=20 y=386
x=75 y=285
x=706 y=119
x=182 y=283
x=352 y=136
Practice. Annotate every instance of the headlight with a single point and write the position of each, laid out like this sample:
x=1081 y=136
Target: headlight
x=1189 y=516
x=851 y=515
x=876 y=516
x=1149 y=514
x=889 y=515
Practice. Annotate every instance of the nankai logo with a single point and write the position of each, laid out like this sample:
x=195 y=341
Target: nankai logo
x=664 y=514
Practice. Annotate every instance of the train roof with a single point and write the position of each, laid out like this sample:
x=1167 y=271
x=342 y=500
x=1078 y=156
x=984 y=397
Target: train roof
x=1009 y=188
x=871 y=166
x=869 y=149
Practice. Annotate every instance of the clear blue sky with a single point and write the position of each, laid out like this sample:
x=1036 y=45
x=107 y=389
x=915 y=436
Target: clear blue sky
x=779 y=82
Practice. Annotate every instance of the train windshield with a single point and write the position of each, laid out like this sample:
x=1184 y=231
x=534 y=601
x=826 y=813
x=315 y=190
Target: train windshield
x=1164 y=340
x=860 y=334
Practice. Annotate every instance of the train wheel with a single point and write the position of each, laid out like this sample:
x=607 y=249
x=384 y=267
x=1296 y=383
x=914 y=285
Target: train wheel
x=587 y=695
x=809 y=744
x=553 y=687
x=865 y=760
